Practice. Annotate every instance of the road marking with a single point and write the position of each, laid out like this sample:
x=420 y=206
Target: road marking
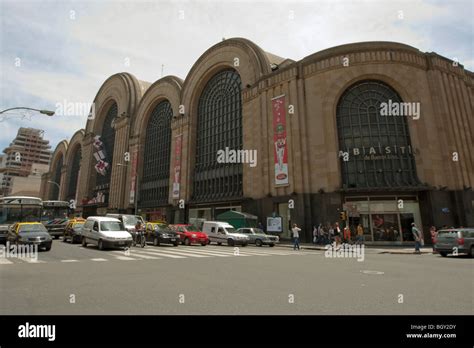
x=161 y=254
x=125 y=258
x=30 y=260
x=183 y=253
x=212 y=253
x=99 y=260
x=5 y=261
x=69 y=260
x=137 y=254
x=372 y=272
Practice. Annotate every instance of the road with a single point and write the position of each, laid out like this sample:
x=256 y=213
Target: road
x=212 y=280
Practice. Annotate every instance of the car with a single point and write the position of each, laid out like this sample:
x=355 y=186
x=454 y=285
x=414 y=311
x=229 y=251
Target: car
x=189 y=234
x=129 y=221
x=105 y=232
x=32 y=233
x=455 y=241
x=258 y=237
x=160 y=233
x=73 y=230
x=222 y=232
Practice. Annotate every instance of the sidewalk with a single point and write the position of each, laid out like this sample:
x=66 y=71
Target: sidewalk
x=379 y=249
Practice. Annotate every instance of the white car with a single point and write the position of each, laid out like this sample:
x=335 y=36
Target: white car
x=222 y=232
x=105 y=232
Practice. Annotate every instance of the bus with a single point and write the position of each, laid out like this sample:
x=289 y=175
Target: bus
x=15 y=209
x=55 y=217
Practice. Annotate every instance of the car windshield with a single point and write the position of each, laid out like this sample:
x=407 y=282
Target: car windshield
x=258 y=230
x=111 y=226
x=448 y=234
x=163 y=228
x=230 y=229
x=78 y=226
x=32 y=228
x=191 y=228
x=131 y=220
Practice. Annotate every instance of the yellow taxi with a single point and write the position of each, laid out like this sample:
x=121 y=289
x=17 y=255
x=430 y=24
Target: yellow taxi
x=73 y=230
x=30 y=233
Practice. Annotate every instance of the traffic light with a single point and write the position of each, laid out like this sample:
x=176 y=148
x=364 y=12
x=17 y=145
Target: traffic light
x=342 y=215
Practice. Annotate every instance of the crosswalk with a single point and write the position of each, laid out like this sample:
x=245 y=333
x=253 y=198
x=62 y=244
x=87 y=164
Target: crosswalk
x=161 y=253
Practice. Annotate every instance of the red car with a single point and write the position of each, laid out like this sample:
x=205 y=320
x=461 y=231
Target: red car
x=190 y=234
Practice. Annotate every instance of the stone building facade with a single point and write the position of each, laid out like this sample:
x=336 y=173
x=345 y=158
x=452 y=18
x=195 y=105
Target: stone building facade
x=339 y=153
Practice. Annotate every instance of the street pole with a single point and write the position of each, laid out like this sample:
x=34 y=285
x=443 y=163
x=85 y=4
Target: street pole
x=57 y=185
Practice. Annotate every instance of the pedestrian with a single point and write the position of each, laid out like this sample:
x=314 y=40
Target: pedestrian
x=347 y=234
x=315 y=234
x=337 y=233
x=360 y=234
x=320 y=234
x=417 y=237
x=296 y=236
x=434 y=235
x=331 y=234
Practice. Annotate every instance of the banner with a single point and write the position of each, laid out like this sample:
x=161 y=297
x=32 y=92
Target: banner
x=133 y=175
x=100 y=156
x=177 y=165
x=279 y=140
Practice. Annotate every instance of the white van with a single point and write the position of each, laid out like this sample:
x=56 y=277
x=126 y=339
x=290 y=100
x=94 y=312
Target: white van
x=105 y=232
x=222 y=232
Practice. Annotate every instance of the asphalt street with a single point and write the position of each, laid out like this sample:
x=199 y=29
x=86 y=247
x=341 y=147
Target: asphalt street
x=214 y=280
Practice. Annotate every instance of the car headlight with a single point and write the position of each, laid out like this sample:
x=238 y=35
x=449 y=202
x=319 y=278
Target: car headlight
x=193 y=235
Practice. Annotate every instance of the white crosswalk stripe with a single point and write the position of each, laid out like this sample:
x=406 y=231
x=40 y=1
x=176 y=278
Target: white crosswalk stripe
x=182 y=253
x=69 y=261
x=99 y=259
x=157 y=253
x=31 y=260
x=125 y=258
x=4 y=261
x=135 y=254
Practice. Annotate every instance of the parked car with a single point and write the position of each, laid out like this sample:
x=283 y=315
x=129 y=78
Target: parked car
x=32 y=233
x=455 y=241
x=222 y=232
x=189 y=234
x=258 y=237
x=73 y=230
x=105 y=232
x=161 y=233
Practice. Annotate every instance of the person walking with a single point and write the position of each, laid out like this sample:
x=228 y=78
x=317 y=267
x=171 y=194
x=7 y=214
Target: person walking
x=347 y=234
x=434 y=235
x=320 y=234
x=337 y=233
x=360 y=234
x=417 y=237
x=315 y=234
x=296 y=236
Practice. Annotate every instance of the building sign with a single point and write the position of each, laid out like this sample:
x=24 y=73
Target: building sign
x=177 y=165
x=133 y=175
x=274 y=224
x=279 y=140
x=100 y=156
x=378 y=152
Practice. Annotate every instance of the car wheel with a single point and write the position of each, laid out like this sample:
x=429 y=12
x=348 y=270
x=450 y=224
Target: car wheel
x=187 y=242
x=230 y=242
x=100 y=244
x=258 y=243
x=443 y=253
x=219 y=243
x=72 y=239
x=175 y=244
x=48 y=248
x=271 y=245
x=204 y=244
x=471 y=252
x=245 y=244
x=84 y=243
x=156 y=242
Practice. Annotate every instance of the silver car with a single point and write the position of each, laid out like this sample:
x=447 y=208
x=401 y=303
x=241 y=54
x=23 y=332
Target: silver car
x=455 y=241
x=258 y=237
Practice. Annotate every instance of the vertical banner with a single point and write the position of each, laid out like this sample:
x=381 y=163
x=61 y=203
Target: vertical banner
x=133 y=175
x=279 y=140
x=177 y=165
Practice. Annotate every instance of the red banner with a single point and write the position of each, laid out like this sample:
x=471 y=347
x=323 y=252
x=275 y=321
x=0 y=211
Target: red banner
x=279 y=140
x=177 y=165
x=133 y=175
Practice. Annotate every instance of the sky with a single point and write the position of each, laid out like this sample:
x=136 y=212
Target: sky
x=58 y=52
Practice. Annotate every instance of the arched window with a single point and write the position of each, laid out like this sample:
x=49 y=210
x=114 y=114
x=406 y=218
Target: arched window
x=219 y=125
x=73 y=169
x=108 y=141
x=156 y=160
x=375 y=148
x=54 y=191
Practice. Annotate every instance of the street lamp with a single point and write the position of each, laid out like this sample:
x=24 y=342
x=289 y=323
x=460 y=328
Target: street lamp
x=44 y=112
x=135 y=198
x=55 y=183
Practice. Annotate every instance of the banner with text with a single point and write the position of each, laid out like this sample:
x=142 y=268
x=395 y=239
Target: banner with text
x=177 y=165
x=279 y=140
x=133 y=175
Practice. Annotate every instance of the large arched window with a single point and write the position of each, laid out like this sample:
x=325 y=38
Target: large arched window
x=54 y=191
x=156 y=160
x=219 y=125
x=375 y=148
x=73 y=169
x=107 y=137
